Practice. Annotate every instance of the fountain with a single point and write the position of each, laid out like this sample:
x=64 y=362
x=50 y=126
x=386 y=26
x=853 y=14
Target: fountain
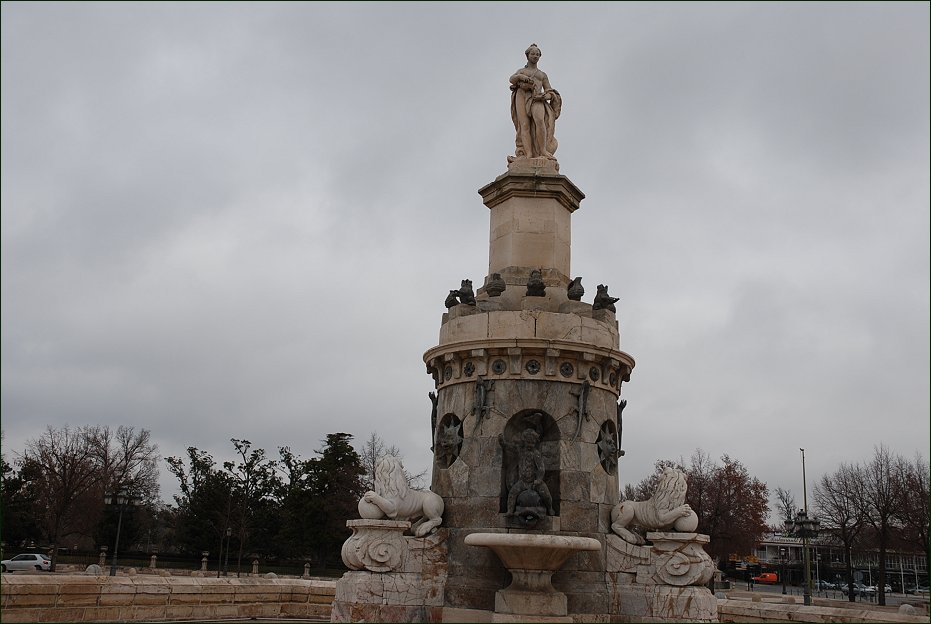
x=525 y=427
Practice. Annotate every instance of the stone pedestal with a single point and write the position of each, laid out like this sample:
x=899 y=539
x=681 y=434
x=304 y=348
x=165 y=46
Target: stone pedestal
x=665 y=581
x=530 y=223
x=395 y=578
x=375 y=545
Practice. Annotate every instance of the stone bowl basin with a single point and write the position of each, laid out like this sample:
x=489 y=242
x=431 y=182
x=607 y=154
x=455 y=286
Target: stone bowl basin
x=523 y=551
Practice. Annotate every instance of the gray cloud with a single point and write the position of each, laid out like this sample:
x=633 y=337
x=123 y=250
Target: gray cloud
x=241 y=220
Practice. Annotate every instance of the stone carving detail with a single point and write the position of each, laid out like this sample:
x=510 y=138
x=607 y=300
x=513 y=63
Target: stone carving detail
x=468 y=369
x=594 y=374
x=666 y=509
x=434 y=401
x=574 y=290
x=447 y=372
x=676 y=559
x=566 y=369
x=375 y=545
x=395 y=500
x=495 y=285
x=466 y=295
x=481 y=406
x=529 y=497
x=498 y=367
x=680 y=559
x=535 y=107
x=449 y=441
x=535 y=285
x=533 y=367
x=463 y=295
x=603 y=301
x=620 y=426
x=607 y=448
x=581 y=408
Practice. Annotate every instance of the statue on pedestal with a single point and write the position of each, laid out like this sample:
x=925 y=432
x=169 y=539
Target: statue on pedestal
x=535 y=106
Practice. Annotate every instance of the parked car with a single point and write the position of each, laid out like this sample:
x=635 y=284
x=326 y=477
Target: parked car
x=822 y=584
x=921 y=590
x=26 y=561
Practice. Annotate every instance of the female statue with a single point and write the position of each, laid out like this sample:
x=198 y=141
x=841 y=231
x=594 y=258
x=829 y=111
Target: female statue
x=535 y=106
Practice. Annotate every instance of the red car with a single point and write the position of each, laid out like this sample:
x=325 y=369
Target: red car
x=767 y=577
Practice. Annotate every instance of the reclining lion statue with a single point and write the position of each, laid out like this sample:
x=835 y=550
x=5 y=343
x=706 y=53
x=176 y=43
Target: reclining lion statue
x=665 y=510
x=394 y=499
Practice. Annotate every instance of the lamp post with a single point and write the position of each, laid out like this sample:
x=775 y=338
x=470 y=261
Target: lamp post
x=805 y=528
x=226 y=564
x=122 y=498
x=782 y=555
x=818 y=569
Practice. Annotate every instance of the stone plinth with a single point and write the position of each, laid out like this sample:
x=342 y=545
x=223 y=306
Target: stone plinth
x=680 y=560
x=405 y=584
x=530 y=222
x=663 y=581
x=375 y=545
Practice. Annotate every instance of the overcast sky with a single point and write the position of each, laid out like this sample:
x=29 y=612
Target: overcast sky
x=242 y=220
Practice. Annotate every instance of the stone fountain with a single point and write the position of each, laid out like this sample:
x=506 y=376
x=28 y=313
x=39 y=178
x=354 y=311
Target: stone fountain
x=525 y=422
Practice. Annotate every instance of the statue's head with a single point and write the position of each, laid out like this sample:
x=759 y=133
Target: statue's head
x=533 y=49
x=467 y=283
x=530 y=438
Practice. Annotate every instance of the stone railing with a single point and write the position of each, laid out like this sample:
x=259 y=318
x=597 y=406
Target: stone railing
x=758 y=611
x=85 y=598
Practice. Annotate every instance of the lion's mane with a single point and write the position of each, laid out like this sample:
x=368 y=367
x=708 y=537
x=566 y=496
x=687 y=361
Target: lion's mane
x=389 y=478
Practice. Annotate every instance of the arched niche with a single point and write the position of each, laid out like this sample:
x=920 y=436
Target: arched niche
x=548 y=431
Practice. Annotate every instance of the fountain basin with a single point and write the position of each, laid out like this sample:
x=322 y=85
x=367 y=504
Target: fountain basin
x=532 y=559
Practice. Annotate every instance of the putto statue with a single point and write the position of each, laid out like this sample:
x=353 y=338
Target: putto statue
x=665 y=510
x=535 y=107
x=395 y=500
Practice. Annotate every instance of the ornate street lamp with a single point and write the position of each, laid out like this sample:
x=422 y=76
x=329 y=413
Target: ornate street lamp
x=122 y=498
x=806 y=528
x=782 y=555
x=226 y=564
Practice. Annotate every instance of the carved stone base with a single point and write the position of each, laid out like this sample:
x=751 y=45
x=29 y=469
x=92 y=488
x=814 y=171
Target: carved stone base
x=375 y=545
x=680 y=560
x=396 y=578
x=665 y=581
x=676 y=559
x=633 y=602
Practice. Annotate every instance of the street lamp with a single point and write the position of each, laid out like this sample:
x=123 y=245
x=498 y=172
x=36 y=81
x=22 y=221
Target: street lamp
x=806 y=528
x=122 y=499
x=226 y=564
x=782 y=555
x=818 y=569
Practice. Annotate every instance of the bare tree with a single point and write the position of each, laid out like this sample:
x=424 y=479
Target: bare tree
x=838 y=499
x=785 y=505
x=914 y=501
x=879 y=504
x=66 y=466
x=127 y=459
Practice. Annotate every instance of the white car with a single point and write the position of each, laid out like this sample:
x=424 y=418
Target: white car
x=27 y=561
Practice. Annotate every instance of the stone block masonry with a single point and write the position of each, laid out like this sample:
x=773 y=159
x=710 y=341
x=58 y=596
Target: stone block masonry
x=83 y=598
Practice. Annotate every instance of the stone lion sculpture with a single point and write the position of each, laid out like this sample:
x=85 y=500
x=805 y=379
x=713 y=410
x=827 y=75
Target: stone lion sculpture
x=665 y=510
x=395 y=500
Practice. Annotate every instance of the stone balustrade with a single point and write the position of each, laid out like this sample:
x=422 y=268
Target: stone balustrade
x=85 y=598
